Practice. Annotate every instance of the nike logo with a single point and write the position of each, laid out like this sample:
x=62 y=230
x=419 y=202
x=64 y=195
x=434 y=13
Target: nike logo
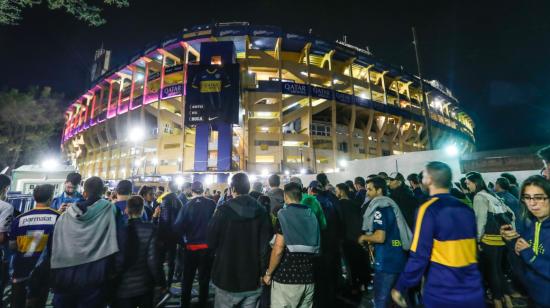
x=210 y=119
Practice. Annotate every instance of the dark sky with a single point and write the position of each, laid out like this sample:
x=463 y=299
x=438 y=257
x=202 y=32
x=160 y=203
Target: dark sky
x=494 y=56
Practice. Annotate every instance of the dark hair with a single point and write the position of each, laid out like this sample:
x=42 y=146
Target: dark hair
x=257 y=186
x=463 y=183
x=323 y=179
x=503 y=183
x=420 y=176
x=293 y=191
x=274 y=180
x=240 y=183
x=510 y=177
x=173 y=186
x=383 y=174
x=265 y=202
x=534 y=180
x=135 y=205
x=160 y=188
x=74 y=177
x=359 y=181
x=371 y=176
x=477 y=179
x=144 y=190
x=379 y=183
x=413 y=178
x=343 y=188
x=94 y=187
x=124 y=188
x=43 y=193
x=544 y=154
x=5 y=181
x=441 y=174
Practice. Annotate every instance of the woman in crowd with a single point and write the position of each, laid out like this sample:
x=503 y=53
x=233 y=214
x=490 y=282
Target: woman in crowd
x=532 y=246
x=148 y=195
x=490 y=212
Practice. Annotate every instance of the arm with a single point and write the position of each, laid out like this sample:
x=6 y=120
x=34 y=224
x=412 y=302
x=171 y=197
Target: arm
x=540 y=263
x=378 y=237
x=179 y=225
x=6 y=217
x=481 y=207
x=214 y=230
x=421 y=251
x=275 y=259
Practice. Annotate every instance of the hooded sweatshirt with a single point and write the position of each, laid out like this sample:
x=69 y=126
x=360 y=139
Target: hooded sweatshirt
x=277 y=197
x=382 y=202
x=239 y=234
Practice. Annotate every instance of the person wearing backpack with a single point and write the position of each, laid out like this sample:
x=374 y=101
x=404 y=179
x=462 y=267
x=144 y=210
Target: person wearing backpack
x=491 y=214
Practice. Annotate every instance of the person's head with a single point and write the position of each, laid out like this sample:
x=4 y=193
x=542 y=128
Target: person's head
x=240 y=185
x=502 y=184
x=134 y=207
x=274 y=181
x=5 y=183
x=351 y=186
x=147 y=193
x=197 y=189
x=187 y=188
x=297 y=180
x=173 y=186
x=322 y=179
x=475 y=182
x=414 y=182
x=463 y=185
x=71 y=182
x=43 y=194
x=257 y=186
x=342 y=191
x=359 y=183
x=370 y=176
x=314 y=188
x=124 y=188
x=383 y=175
x=293 y=193
x=93 y=187
x=535 y=194
x=265 y=201
x=511 y=178
x=437 y=176
x=376 y=187
x=396 y=180
x=544 y=155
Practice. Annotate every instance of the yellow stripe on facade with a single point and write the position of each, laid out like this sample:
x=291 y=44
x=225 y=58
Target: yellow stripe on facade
x=419 y=219
x=454 y=253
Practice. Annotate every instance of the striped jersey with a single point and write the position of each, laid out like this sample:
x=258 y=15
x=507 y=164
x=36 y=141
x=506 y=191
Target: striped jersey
x=31 y=232
x=444 y=251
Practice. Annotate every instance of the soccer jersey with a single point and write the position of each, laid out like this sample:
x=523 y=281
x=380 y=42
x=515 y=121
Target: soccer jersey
x=211 y=82
x=31 y=231
x=389 y=257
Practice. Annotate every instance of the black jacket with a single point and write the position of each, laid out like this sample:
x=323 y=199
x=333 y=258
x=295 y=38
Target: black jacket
x=351 y=219
x=138 y=260
x=169 y=209
x=239 y=234
x=193 y=218
x=407 y=203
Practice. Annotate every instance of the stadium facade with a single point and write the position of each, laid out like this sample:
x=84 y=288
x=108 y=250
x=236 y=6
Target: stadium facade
x=235 y=96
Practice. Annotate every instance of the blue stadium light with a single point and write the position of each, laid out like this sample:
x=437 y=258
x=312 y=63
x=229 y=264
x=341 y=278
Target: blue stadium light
x=451 y=150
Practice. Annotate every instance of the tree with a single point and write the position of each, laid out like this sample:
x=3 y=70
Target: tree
x=30 y=125
x=11 y=10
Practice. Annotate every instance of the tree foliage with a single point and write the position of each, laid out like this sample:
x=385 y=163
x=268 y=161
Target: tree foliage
x=11 y=10
x=30 y=125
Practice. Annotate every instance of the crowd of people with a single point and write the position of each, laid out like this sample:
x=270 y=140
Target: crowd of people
x=419 y=240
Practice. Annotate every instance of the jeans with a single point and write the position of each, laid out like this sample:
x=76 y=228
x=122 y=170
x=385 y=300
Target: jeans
x=383 y=283
x=249 y=299
x=490 y=258
x=292 y=295
x=96 y=298
x=200 y=260
x=142 y=301
x=167 y=253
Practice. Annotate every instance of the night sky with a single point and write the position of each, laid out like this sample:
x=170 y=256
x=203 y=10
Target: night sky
x=492 y=55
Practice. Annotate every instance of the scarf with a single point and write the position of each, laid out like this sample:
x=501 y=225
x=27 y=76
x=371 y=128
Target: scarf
x=382 y=202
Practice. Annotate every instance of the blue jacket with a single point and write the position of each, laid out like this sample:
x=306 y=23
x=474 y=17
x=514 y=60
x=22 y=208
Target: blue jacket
x=192 y=221
x=63 y=198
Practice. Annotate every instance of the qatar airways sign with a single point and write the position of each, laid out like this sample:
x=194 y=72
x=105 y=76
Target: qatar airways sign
x=295 y=88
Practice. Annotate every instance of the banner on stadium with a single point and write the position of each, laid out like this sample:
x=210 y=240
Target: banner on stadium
x=212 y=94
x=295 y=88
x=320 y=92
x=172 y=91
x=343 y=98
x=173 y=69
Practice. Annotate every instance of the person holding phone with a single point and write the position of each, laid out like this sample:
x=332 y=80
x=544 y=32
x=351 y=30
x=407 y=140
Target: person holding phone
x=531 y=246
x=70 y=194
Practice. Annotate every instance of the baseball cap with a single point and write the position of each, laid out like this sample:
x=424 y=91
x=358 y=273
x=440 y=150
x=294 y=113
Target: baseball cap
x=315 y=185
x=197 y=186
x=396 y=176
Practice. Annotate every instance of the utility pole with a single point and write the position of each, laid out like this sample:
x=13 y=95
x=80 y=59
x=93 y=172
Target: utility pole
x=425 y=107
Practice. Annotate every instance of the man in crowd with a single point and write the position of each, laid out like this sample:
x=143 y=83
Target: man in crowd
x=192 y=224
x=6 y=216
x=544 y=154
x=275 y=193
x=140 y=270
x=239 y=233
x=29 y=236
x=403 y=196
x=359 y=184
x=185 y=193
x=124 y=191
x=82 y=258
x=70 y=193
x=165 y=216
x=416 y=186
x=312 y=203
x=514 y=189
x=256 y=191
x=443 y=248
x=297 y=240
x=502 y=189
x=386 y=229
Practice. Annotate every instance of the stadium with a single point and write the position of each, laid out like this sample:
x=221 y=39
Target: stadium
x=224 y=97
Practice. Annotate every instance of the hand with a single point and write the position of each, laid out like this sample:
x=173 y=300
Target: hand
x=156 y=213
x=361 y=240
x=521 y=244
x=508 y=233
x=398 y=298
x=266 y=280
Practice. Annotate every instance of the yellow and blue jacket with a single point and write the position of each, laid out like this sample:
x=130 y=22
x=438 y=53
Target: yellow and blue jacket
x=444 y=251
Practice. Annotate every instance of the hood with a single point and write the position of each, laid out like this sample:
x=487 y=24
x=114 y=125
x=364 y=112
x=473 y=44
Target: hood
x=245 y=207
x=381 y=202
x=92 y=211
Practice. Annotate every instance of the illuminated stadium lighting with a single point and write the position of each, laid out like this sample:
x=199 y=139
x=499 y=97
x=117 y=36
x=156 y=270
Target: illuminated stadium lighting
x=179 y=180
x=265 y=172
x=50 y=163
x=335 y=80
x=159 y=57
x=264 y=129
x=287 y=173
x=208 y=179
x=123 y=170
x=139 y=77
x=155 y=161
x=303 y=171
x=136 y=134
x=451 y=150
x=303 y=73
x=137 y=163
x=343 y=163
x=363 y=95
x=252 y=177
